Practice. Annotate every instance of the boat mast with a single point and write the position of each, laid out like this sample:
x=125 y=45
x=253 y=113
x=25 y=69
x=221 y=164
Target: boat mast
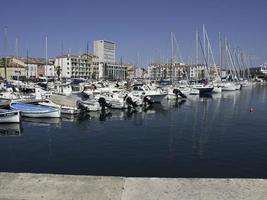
x=220 y=50
x=27 y=60
x=172 y=55
x=17 y=55
x=45 y=52
x=5 y=49
x=196 y=47
x=204 y=41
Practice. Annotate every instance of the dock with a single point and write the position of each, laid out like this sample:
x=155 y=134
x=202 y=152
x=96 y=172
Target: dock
x=26 y=186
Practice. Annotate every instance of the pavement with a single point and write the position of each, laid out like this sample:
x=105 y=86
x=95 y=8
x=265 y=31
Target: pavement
x=26 y=186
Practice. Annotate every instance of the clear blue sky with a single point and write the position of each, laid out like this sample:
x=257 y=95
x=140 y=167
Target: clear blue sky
x=136 y=26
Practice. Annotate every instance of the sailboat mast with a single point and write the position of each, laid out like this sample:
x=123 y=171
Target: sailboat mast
x=46 y=57
x=5 y=49
x=220 y=50
x=46 y=62
x=204 y=41
x=17 y=55
x=196 y=47
x=172 y=56
x=27 y=60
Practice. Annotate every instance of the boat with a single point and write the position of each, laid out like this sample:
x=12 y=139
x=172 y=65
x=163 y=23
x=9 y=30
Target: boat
x=65 y=109
x=203 y=89
x=29 y=110
x=9 y=116
x=155 y=95
x=228 y=86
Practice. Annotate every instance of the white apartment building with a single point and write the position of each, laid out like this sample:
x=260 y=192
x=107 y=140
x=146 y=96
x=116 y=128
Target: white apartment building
x=32 y=70
x=105 y=51
x=112 y=71
x=72 y=66
x=177 y=71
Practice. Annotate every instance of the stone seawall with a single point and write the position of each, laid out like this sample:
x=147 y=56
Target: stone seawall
x=24 y=186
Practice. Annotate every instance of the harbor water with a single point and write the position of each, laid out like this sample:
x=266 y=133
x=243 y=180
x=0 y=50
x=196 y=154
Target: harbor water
x=221 y=135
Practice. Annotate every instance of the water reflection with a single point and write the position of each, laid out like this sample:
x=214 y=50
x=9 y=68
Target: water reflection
x=10 y=130
x=54 y=122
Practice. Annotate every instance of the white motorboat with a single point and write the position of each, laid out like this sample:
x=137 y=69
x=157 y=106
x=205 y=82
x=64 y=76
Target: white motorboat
x=155 y=95
x=228 y=86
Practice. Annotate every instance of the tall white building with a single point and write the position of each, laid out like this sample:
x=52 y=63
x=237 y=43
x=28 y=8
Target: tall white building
x=105 y=51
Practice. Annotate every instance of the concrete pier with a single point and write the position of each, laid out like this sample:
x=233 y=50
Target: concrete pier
x=20 y=186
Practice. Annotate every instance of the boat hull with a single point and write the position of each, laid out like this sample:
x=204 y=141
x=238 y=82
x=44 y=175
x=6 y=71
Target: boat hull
x=44 y=114
x=156 y=98
x=10 y=117
x=28 y=110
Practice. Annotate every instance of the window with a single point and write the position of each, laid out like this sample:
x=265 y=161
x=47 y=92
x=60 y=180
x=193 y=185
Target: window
x=68 y=63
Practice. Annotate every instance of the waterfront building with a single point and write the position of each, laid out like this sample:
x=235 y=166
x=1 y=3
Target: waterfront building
x=130 y=71
x=36 y=67
x=16 y=69
x=46 y=70
x=136 y=72
x=112 y=71
x=105 y=51
x=180 y=71
x=27 y=68
x=73 y=66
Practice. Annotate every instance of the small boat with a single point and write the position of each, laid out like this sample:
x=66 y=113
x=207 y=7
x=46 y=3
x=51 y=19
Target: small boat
x=29 y=110
x=228 y=87
x=65 y=109
x=203 y=89
x=9 y=116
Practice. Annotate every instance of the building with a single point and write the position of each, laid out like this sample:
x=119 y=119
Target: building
x=46 y=70
x=16 y=69
x=112 y=71
x=105 y=51
x=73 y=66
x=37 y=67
x=180 y=71
x=136 y=72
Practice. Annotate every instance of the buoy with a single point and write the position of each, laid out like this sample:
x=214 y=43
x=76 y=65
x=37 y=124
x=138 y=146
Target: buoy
x=251 y=110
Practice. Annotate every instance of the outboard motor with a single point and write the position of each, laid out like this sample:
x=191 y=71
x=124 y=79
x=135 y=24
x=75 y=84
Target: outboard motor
x=147 y=101
x=129 y=101
x=103 y=104
x=83 y=109
x=84 y=96
x=178 y=92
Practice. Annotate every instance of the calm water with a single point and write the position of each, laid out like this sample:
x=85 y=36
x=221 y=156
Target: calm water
x=213 y=136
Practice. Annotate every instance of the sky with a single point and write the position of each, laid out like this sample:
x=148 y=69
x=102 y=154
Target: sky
x=140 y=28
